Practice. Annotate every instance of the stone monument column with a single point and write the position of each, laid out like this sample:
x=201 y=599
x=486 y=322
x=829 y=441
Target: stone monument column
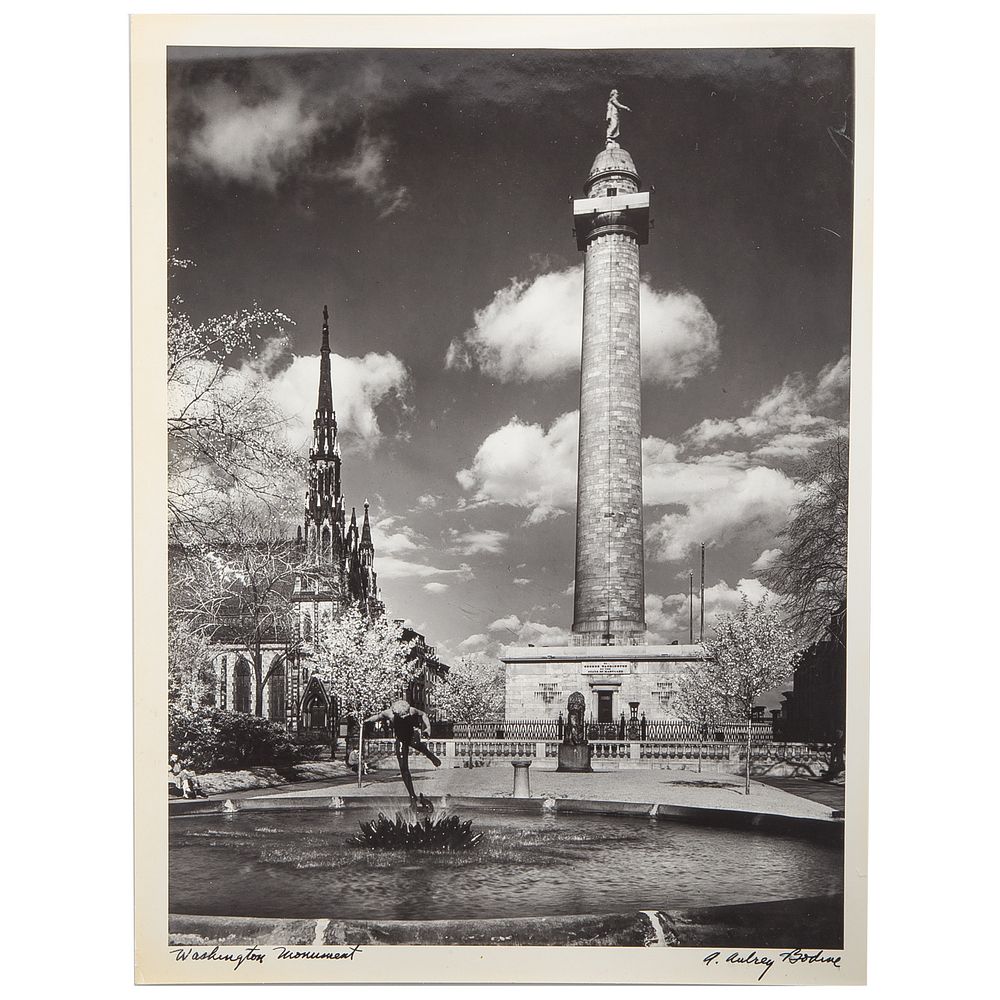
x=611 y=222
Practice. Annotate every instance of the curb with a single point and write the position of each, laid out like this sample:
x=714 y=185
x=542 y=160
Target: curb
x=812 y=922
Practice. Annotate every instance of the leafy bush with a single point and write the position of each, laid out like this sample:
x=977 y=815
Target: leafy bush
x=446 y=833
x=212 y=739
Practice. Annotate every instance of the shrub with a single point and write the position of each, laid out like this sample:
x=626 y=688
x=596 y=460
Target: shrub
x=212 y=739
x=445 y=833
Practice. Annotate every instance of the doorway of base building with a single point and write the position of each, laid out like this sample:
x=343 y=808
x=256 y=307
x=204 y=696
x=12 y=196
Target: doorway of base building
x=605 y=706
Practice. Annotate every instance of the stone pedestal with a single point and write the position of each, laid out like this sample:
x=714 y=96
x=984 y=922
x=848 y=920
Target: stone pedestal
x=522 y=784
x=574 y=758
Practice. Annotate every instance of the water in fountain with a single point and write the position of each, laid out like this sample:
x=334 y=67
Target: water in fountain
x=301 y=863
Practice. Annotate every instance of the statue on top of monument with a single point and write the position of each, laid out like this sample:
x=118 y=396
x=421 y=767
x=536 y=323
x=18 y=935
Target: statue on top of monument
x=614 y=106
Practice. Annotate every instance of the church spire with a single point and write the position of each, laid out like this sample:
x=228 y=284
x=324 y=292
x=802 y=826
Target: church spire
x=324 y=514
x=324 y=405
x=366 y=532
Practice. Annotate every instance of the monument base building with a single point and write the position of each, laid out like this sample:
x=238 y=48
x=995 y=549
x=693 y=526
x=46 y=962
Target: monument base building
x=615 y=680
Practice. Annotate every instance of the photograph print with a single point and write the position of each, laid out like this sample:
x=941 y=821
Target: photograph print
x=508 y=436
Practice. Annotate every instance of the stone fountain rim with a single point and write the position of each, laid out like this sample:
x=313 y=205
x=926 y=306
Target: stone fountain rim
x=809 y=827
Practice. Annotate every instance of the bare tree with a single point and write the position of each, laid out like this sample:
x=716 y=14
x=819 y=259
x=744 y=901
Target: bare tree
x=225 y=434
x=811 y=572
x=236 y=591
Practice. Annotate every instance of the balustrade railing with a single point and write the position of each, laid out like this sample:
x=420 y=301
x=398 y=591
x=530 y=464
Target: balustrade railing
x=764 y=751
x=650 y=730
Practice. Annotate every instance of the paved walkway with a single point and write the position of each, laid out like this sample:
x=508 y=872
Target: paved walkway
x=687 y=788
x=829 y=793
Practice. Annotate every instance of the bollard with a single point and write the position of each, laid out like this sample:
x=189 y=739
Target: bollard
x=522 y=786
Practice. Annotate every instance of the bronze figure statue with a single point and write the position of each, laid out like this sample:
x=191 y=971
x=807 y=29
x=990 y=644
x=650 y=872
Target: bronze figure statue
x=576 y=707
x=611 y=116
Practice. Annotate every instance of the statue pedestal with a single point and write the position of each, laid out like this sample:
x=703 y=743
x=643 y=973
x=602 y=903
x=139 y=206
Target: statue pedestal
x=575 y=758
x=522 y=786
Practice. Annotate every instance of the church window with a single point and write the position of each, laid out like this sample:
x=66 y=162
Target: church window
x=276 y=695
x=241 y=687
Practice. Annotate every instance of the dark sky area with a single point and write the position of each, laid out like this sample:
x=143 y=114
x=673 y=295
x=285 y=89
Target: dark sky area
x=424 y=195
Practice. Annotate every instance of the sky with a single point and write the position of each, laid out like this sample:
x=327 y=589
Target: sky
x=424 y=196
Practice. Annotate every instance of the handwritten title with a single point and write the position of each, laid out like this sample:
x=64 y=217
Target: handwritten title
x=255 y=956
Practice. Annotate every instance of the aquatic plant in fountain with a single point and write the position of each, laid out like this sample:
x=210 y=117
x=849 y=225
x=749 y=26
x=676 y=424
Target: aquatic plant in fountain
x=441 y=833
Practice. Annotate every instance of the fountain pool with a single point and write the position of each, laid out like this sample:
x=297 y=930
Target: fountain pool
x=299 y=863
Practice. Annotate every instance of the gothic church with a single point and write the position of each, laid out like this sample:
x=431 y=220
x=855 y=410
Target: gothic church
x=337 y=567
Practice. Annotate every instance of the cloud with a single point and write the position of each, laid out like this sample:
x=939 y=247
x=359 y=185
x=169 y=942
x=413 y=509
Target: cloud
x=510 y=623
x=543 y=635
x=520 y=581
x=394 y=568
x=766 y=560
x=470 y=543
x=749 y=505
x=474 y=643
x=248 y=138
x=667 y=618
x=367 y=170
x=435 y=588
x=719 y=497
x=788 y=421
x=361 y=387
x=532 y=329
x=392 y=537
x=527 y=631
x=269 y=125
x=524 y=465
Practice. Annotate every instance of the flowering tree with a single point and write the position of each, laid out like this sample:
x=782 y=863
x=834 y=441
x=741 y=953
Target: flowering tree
x=751 y=652
x=225 y=434
x=473 y=689
x=365 y=661
x=698 y=701
x=190 y=676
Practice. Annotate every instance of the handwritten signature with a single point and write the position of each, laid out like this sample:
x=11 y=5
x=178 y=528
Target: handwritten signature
x=793 y=957
x=253 y=954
